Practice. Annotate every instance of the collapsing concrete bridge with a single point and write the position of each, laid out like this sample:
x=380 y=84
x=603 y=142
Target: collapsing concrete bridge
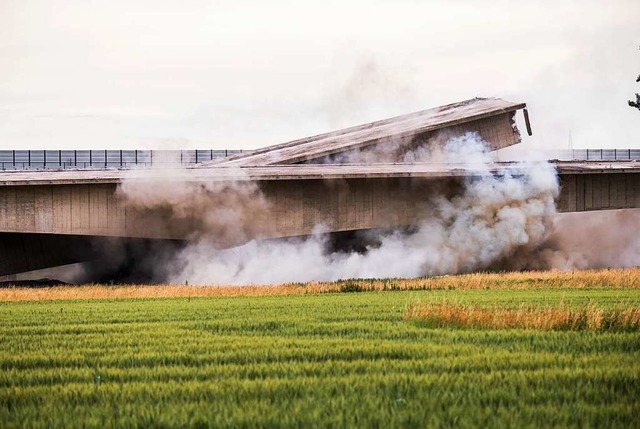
x=50 y=218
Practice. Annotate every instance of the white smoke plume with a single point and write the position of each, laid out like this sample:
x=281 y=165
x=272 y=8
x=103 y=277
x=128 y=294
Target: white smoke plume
x=493 y=218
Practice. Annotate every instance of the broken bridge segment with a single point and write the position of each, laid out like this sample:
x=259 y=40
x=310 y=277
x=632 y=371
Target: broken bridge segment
x=491 y=118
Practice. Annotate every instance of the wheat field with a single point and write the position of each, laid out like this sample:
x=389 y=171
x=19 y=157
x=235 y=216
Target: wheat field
x=523 y=350
x=612 y=278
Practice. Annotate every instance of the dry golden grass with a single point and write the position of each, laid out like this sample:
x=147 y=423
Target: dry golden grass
x=562 y=317
x=616 y=278
x=94 y=291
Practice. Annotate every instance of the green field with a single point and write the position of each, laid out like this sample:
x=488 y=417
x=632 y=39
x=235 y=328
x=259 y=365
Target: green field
x=315 y=360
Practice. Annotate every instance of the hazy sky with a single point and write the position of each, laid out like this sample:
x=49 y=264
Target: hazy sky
x=236 y=74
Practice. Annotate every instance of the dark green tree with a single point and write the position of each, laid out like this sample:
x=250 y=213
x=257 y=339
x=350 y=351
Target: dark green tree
x=636 y=103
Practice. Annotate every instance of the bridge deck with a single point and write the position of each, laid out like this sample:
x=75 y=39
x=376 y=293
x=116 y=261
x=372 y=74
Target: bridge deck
x=304 y=172
x=490 y=117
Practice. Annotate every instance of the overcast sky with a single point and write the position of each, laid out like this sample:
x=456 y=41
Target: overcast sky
x=235 y=74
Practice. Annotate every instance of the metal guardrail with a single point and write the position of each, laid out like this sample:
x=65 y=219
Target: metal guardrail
x=95 y=159
x=603 y=154
x=85 y=159
x=582 y=154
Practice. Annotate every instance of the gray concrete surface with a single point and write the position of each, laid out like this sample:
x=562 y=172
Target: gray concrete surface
x=49 y=220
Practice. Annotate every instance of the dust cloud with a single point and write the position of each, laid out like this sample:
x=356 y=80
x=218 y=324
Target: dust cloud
x=493 y=218
x=591 y=240
x=225 y=213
